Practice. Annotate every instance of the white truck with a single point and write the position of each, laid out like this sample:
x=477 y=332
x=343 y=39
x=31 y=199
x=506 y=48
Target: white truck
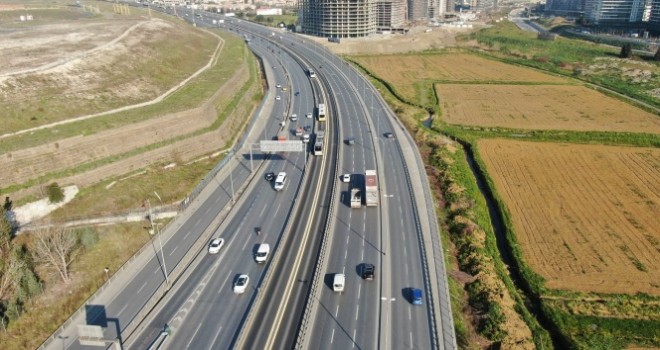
x=371 y=188
x=356 y=198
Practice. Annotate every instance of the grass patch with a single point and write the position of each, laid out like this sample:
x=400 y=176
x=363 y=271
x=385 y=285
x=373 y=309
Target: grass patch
x=189 y=96
x=223 y=113
x=166 y=55
x=171 y=184
x=577 y=58
x=45 y=313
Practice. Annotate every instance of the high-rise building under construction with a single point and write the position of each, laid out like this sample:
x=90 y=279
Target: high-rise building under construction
x=361 y=18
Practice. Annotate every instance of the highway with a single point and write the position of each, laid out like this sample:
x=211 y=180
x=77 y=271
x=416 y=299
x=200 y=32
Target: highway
x=372 y=314
x=203 y=312
x=299 y=309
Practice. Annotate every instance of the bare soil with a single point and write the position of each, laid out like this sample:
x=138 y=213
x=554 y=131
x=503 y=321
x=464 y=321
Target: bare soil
x=417 y=39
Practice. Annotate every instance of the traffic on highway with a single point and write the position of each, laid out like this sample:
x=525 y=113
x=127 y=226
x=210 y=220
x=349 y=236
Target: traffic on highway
x=332 y=244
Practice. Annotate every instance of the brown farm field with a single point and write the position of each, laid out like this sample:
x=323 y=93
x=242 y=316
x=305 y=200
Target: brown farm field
x=405 y=72
x=585 y=216
x=541 y=107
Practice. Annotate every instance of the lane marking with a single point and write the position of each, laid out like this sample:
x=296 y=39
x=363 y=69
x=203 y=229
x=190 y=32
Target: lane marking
x=357 y=312
x=173 y=250
x=337 y=311
x=141 y=288
x=359 y=289
x=193 y=336
x=332 y=338
x=122 y=310
x=354 y=332
x=231 y=272
x=216 y=336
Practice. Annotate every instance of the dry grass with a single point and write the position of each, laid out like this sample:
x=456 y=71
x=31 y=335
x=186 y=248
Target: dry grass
x=554 y=107
x=116 y=245
x=68 y=69
x=405 y=72
x=586 y=216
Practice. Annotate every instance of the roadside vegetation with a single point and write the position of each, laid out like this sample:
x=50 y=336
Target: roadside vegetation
x=43 y=293
x=233 y=56
x=41 y=301
x=570 y=318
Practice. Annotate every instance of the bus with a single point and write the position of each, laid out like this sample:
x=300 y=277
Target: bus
x=311 y=73
x=321 y=112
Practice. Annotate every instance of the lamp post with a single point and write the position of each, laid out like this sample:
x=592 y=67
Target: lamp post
x=160 y=242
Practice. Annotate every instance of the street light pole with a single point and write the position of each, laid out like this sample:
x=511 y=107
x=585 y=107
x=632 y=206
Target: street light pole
x=160 y=242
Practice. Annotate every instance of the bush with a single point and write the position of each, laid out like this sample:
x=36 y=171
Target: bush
x=88 y=237
x=55 y=193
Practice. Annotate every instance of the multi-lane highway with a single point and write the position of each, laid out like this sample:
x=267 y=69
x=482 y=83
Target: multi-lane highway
x=286 y=305
x=204 y=312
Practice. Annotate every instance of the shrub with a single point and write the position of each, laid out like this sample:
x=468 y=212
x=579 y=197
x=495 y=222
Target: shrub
x=55 y=193
x=88 y=237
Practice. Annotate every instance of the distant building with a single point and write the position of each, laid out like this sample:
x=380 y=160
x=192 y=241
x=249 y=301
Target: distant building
x=390 y=15
x=338 y=18
x=565 y=7
x=654 y=17
x=614 y=12
x=269 y=12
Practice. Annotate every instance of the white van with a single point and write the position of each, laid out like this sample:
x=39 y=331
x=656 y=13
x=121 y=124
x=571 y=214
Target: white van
x=262 y=253
x=280 y=181
x=338 y=282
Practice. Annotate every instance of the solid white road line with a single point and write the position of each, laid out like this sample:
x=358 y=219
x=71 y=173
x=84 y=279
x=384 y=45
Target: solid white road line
x=194 y=334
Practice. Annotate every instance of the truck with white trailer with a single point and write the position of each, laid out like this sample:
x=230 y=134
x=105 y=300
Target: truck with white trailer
x=371 y=188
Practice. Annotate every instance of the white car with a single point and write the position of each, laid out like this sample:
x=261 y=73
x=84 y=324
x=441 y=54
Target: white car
x=309 y=115
x=278 y=98
x=215 y=245
x=346 y=178
x=279 y=86
x=241 y=284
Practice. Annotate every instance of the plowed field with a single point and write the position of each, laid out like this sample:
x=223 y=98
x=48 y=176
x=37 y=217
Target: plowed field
x=585 y=216
x=405 y=71
x=540 y=107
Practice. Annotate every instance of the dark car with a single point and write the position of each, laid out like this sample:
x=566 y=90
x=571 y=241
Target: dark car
x=297 y=93
x=368 y=271
x=389 y=135
x=350 y=141
x=270 y=176
x=416 y=296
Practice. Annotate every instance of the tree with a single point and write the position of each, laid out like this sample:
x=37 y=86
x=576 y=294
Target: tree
x=657 y=55
x=626 y=51
x=55 y=193
x=56 y=250
x=11 y=267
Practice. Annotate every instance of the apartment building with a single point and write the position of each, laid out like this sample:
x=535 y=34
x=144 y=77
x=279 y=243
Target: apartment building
x=338 y=18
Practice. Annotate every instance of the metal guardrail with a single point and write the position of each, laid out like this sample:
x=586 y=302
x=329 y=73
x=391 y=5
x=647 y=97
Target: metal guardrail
x=258 y=298
x=311 y=305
